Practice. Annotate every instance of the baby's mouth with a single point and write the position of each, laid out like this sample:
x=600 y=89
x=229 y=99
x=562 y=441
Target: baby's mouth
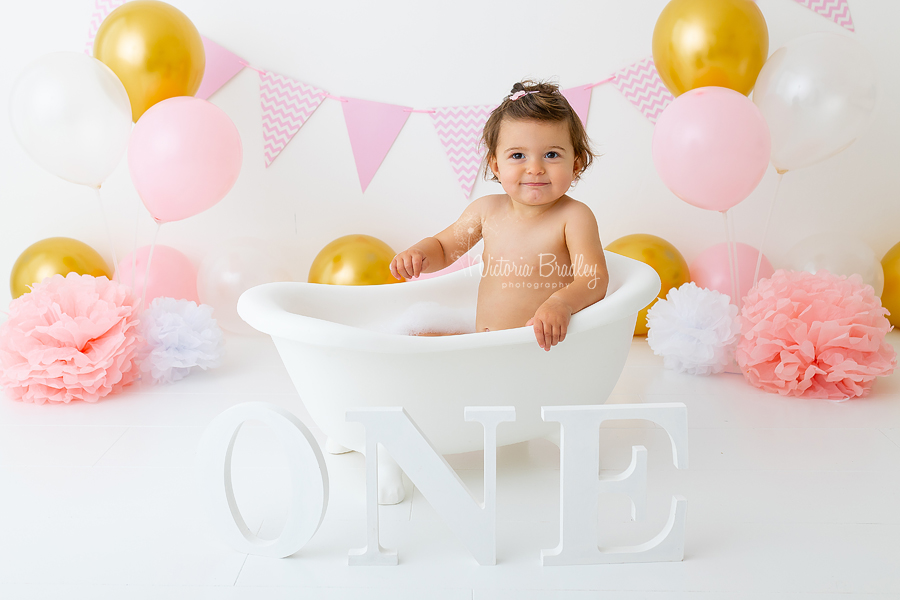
x=534 y=184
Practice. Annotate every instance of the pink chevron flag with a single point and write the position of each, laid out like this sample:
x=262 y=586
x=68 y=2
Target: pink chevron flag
x=641 y=85
x=102 y=8
x=580 y=100
x=836 y=10
x=221 y=65
x=459 y=129
x=286 y=105
x=373 y=127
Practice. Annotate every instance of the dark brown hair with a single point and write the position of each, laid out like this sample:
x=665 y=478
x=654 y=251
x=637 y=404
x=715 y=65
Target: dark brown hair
x=541 y=101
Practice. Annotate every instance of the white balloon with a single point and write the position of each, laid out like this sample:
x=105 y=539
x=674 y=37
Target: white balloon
x=840 y=255
x=72 y=115
x=817 y=94
x=226 y=274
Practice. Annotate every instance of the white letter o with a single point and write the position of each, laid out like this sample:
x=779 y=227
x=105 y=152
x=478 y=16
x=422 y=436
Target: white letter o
x=309 y=479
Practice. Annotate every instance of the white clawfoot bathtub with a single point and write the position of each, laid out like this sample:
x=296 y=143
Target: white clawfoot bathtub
x=337 y=365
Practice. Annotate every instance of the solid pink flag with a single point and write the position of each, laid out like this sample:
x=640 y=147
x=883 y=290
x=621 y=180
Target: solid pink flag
x=373 y=127
x=459 y=129
x=580 y=100
x=221 y=65
x=836 y=10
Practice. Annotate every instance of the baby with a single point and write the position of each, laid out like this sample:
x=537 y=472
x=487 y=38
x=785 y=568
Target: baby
x=542 y=256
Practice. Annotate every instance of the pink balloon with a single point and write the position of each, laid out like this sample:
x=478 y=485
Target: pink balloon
x=184 y=155
x=171 y=274
x=710 y=269
x=711 y=147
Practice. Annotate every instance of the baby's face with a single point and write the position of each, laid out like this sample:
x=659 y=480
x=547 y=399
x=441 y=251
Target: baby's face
x=535 y=161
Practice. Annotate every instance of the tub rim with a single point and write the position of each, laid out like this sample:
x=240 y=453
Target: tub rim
x=264 y=308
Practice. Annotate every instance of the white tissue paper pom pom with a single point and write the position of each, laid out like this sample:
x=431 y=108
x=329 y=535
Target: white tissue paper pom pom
x=179 y=336
x=694 y=329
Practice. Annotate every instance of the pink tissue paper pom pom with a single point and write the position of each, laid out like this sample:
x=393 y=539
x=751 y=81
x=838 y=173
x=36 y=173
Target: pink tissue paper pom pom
x=70 y=338
x=814 y=336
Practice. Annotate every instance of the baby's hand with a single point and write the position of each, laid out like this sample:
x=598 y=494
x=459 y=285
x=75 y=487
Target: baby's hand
x=550 y=322
x=409 y=263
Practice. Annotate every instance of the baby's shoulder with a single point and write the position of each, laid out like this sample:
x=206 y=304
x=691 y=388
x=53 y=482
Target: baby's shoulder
x=492 y=200
x=489 y=203
x=573 y=209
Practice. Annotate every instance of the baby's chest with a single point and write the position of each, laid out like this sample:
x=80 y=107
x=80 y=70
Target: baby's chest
x=526 y=245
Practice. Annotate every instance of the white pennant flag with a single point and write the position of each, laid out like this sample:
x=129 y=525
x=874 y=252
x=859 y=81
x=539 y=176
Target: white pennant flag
x=286 y=105
x=459 y=129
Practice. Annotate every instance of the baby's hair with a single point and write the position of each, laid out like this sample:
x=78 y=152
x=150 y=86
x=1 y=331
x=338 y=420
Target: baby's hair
x=536 y=101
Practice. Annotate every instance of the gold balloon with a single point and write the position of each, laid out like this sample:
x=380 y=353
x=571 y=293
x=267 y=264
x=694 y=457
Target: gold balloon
x=890 y=297
x=353 y=260
x=665 y=259
x=55 y=256
x=699 y=43
x=155 y=51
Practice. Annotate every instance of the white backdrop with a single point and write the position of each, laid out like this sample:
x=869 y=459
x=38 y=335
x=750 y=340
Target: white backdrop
x=425 y=54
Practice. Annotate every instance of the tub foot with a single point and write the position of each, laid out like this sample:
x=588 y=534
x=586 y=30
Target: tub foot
x=332 y=447
x=390 y=480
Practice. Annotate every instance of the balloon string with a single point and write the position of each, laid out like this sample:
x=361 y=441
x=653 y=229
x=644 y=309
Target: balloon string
x=137 y=223
x=109 y=237
x=147 y=270
x=730 y=256
x=766 y=229
x=737 y=263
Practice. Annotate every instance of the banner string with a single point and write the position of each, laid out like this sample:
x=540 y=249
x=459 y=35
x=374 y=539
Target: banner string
x=251 y=67
x=413 y=110
x=601 y=82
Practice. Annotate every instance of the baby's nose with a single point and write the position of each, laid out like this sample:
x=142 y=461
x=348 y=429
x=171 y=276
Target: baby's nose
x=535 y=166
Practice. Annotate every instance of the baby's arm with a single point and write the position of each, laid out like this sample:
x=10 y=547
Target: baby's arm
x=551 y=320
x=435 y=253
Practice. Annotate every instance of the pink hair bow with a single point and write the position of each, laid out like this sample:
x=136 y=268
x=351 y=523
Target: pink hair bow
x=521 y=93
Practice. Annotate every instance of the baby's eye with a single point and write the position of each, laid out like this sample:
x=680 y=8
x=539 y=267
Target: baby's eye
x=552 y=154
x=517 y=156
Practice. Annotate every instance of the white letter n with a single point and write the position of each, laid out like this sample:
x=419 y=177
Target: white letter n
x=474 y=523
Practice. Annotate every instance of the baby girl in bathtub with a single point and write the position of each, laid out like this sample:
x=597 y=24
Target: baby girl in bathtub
x=542 y=259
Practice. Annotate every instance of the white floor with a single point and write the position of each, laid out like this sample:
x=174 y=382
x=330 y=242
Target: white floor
x=787 y=498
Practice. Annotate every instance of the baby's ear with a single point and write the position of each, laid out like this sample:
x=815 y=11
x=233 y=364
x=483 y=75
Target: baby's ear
x=493 y=166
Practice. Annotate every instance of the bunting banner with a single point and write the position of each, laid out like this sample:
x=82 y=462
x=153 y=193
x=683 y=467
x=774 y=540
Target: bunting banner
x=373 y=127
x=836 y=10
x=286 y=105
x=221 y=65
x=580 y=100
x=459 y=129
x=101 y=9
x=641 y=85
